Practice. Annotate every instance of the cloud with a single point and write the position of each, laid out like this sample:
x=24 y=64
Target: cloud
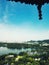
x=4 y=19
x=10 y=33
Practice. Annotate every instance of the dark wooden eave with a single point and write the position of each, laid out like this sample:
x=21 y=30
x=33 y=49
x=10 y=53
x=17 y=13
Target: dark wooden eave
x=38 y=3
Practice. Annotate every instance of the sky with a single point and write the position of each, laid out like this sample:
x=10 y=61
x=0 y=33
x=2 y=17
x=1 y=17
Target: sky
x=20 y=22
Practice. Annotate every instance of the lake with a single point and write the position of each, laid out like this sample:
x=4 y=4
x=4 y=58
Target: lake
x=5 y=50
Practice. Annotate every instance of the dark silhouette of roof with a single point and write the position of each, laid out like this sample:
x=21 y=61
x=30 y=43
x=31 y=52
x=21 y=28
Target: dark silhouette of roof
x=38 y=3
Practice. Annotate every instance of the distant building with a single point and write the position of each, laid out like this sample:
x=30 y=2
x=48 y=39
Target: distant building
x=37 y=59
x=45 y=44
x=9 y=56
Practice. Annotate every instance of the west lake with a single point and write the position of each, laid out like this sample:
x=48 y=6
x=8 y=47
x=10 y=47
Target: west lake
x=5 y=50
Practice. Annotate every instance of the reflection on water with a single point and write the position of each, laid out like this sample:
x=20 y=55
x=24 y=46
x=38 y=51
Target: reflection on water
x=5 y=50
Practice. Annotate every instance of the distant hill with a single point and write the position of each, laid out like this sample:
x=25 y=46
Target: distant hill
x=39 y=41
x=31 y=41
x=28 y=44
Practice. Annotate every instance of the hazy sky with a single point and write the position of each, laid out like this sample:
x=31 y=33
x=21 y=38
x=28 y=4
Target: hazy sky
x=19 y=22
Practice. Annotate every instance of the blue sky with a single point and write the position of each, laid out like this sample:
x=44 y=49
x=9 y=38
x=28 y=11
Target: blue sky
x=20 y=22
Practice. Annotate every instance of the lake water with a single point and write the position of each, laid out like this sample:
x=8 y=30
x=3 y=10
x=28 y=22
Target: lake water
x=5 y=50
